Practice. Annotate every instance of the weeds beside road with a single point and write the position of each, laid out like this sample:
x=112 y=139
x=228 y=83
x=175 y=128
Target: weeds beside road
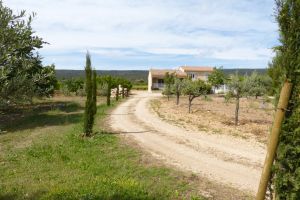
x=42 y=156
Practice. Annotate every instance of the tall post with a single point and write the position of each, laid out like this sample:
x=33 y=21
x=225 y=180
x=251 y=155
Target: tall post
x=274 y=139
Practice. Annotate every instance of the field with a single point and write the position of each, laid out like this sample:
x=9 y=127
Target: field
x=43 y=156
x=214 y=115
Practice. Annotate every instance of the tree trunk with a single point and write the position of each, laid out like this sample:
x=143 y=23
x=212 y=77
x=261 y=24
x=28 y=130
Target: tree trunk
x=177 y=98
x=190 y=103
x=168 y=97
x=237 y=107
x=123 y=93
x=117 y=94
x=108 y=96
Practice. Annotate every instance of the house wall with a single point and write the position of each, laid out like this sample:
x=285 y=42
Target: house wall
x=222 y=89
x=157 y=83
x=198 y=75
x=149 y=82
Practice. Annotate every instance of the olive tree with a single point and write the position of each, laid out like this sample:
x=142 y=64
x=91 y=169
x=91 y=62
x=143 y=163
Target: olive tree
x=177 y=88
x=22 y=75
x=108 y=81
x=216 y=78
x=168 y=82
x=194 y=89
x=257 y=85
x=237 y=88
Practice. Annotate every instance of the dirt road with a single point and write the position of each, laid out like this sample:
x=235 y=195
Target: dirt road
x=222 y=158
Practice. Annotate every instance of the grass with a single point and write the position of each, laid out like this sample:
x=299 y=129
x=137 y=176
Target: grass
x=140 y=87
x=43 y=156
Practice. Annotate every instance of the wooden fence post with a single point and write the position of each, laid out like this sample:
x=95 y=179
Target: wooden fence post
x=274 y=139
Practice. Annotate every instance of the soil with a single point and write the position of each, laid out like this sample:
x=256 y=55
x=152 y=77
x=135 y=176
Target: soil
x=221 y=158
x=215 y=116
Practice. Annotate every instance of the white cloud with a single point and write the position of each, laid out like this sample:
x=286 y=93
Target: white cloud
x=227 y=29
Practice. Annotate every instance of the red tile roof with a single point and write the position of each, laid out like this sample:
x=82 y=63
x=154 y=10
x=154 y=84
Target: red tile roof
x=197 y=69
x=160 y=73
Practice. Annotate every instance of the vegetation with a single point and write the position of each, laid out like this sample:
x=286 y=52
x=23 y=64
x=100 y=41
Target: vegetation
x=257 y=85
x=139 y=87
x=94 y=91
x=22 y=75
x=68 y=167
x=194 y=89
x=110 y=83
x=90 y=104
x=217 y=78
x=126 y=87
x=276 y=73
x=237 y=87
x=287 y=164
x=73 y=85
x=168 y=82
x=177 y=88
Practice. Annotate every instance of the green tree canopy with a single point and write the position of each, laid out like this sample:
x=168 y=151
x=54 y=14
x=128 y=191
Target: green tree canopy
x=257 y=85
x=287 y=165
x=168 y=82
x=194 y=89
x=217 y=77
x=22 y=75
x=177 y=88
x=237 y=88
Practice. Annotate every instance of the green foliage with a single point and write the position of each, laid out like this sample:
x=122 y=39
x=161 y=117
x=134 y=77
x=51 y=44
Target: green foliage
x=277 y=73
x=57 y=164
x=237 y=88
x=177 y=88
x=217 y=77
x=126 y=87
x=195 y=89
x=168 y=82
x=94 y=91
x=257 y=85
x=140 y=87
x=287 y=165
x=73 y=85
x=109 y=82
x=89 y=111
x=22 y=75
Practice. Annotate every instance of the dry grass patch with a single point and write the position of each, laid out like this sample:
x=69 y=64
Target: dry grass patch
x=217 y=116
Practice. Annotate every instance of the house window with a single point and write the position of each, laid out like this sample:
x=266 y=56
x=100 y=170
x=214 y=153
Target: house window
x=161 y=81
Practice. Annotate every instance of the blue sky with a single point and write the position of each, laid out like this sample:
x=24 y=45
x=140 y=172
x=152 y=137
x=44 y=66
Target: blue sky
x=139 y=34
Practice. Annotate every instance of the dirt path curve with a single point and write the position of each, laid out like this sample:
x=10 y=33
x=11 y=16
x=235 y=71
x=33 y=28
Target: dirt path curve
x=225 y=159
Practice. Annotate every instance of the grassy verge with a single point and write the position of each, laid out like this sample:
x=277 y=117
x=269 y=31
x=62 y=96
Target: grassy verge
x=140 y=87
x=42 y=156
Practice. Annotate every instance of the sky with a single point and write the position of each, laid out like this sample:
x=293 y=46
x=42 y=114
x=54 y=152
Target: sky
x=143 y=34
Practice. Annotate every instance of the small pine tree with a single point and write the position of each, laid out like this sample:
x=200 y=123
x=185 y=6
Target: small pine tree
x=89 y=104
x=94 y=91
x=287 y=165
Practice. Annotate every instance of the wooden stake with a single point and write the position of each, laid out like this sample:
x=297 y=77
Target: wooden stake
x=274 y=139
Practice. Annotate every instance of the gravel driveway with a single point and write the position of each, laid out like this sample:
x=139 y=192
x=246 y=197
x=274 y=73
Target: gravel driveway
x=222 y=158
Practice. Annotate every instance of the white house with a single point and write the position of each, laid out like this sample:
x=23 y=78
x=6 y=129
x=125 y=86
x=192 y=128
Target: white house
x=156 y=76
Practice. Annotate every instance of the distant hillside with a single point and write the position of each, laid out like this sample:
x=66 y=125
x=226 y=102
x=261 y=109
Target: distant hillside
x=244 y=71
x=134 y=75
